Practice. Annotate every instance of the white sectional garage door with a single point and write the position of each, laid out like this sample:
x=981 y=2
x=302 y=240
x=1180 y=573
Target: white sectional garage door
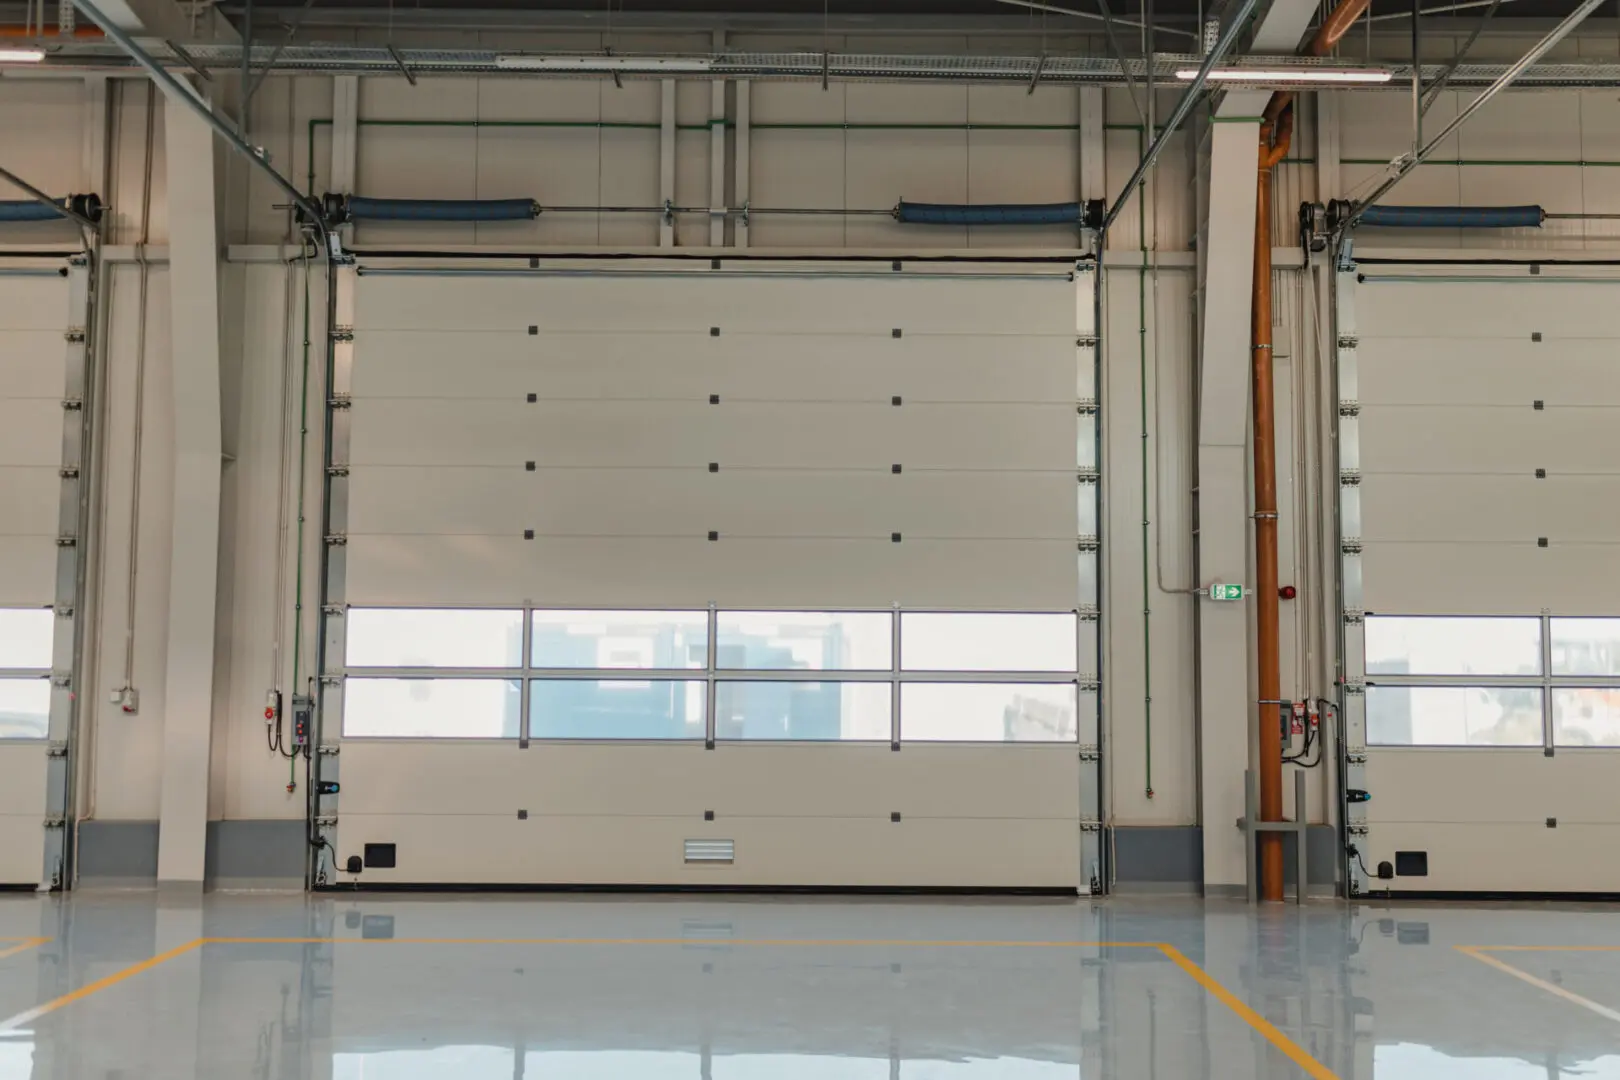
x=1481 y=520
x=40 y=374
x=765 y=575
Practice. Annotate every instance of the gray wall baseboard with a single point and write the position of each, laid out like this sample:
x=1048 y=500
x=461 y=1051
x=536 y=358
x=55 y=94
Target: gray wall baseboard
x=241 y=854
x=1170 y=859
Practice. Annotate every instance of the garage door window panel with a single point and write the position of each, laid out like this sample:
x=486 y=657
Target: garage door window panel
x=614 y=640
x=420 y=708
x=1482 y=716
x=637 y=709
x=791 y=710
x=434 y=638
x=26 y=638
x=1438 y=645
x=1586 y=647
x=962 y=641
x=988 y=712
x=804 y=641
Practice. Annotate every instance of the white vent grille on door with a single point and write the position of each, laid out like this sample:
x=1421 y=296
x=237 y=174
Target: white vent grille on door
x=711 y=851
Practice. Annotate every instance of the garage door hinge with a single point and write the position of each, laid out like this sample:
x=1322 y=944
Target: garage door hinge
x=78 y=260
x=328 y=750
x=327 y=822
x=332 y=609
x=1353 y=617
x=56 y=749
x=1355 y=757
x=1087 y=612
x=1350 y=546
x=337 y=540
x=1348 y=341
x=337 y=470
x=72 y=404
x=68 y=472
x=74 y=334
x=342 y=333
x=1356 y=830
x=1091 y=826
x=61 y=679
x=1086 y=406
x=1088 y=476
x=1088 y=682
x=1090 y=753
x=66 y=541
x=55 y=822
x=1354 y=686
x=1350 y=408
x=1088 y=543
x=331 y=680
x=1350 y=477
x=338 y=401
x=64 y=611
x=1086 y=341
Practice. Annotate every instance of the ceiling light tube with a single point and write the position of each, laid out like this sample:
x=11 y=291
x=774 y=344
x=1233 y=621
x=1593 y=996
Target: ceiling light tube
x=1291 y=75
x=21 y=56
x=649 y=64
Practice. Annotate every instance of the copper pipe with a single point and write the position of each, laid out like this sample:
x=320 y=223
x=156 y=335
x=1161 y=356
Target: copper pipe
x=1327 y=36
x=33 y=33
x=1268 y=681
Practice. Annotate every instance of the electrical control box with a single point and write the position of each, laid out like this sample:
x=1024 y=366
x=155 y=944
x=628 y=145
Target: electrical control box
x=303 y=714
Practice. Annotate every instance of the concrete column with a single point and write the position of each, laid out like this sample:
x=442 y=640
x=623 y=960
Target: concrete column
x=194 y=553
x=1225 y=703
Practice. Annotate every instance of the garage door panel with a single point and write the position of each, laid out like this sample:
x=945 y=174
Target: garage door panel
x=1487 y=371
x=1491 y=578
x=1493 y=785
x=1519 y=857
x=697 y=302
x=1499 y=308
x=621 y=365
x=734 y=779
x=31 y=498
x=788 y=574
x=33 y=364
x=735 y=502
x=22 y=811
x=630 y=434
x=1482 y=439
x=31 y=432
x=1408 y=507
x=769 y=851
x=27 y=570
x=35 y=303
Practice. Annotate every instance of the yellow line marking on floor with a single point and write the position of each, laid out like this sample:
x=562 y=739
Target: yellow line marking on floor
x=1478 y=953
x=1542 y=948
x=1290 y=1049
x=27 y=943
x=30 y=1015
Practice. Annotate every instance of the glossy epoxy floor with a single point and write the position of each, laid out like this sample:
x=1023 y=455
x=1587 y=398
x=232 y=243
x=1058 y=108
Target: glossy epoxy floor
x=123 y=987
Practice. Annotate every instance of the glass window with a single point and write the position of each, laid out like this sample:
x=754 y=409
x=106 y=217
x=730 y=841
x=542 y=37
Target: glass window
x=1453 y=716
x=803 y=710
x=620 y=639
x=932 y=641
x=432 y=708
x=617 y=709
x=434 y=637
x=25 y=637
x=1586 y=716
x=25 y=708
x=988 y=712
x=1586 y=646
x=1435 y=645
x=804 y=640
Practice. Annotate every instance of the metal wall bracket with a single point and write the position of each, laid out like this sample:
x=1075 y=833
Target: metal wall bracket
x=1251 y=826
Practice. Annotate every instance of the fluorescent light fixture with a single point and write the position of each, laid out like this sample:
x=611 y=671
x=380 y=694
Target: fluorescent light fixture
x=21 y=56
x=1290 y=75
x=648 y=64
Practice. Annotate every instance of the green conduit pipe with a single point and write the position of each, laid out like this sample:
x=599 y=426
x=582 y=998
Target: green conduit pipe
x=1147 y=598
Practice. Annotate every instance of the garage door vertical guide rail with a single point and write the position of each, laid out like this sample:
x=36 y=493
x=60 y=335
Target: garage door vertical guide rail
x=72 y=521
x=1352 y=650
x=323 y=741
x=1088 y=380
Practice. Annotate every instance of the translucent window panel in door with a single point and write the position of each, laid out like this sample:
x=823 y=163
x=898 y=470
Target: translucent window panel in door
x=983 y=641
x=988 y=712
x=804 y=640
x=431 y=708
x=25 y=637
x=1453 y=716
x=1586 y=716
x=620 y=639
x=25 y=708
x=1585 y=647
x=617 y=709
x=1441 y=645
x=812 y=711
x=434 y=637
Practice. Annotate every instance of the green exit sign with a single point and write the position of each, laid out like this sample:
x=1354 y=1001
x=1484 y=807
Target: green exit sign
x=1226 y=592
